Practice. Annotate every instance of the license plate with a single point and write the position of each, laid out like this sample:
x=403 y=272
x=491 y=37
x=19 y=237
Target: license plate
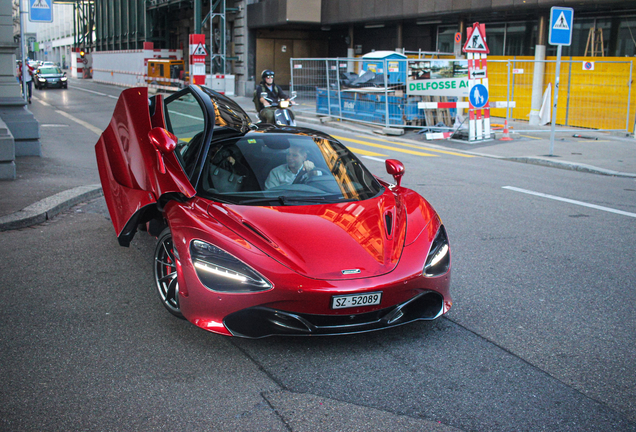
x=356 y=300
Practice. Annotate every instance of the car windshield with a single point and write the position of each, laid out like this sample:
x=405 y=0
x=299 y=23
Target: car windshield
x=50 y=70
x=284 y=169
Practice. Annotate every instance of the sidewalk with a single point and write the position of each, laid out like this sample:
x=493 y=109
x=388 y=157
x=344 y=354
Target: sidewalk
x=41 y=191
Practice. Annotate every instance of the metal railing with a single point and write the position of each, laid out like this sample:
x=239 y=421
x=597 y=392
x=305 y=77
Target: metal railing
x=593 y=94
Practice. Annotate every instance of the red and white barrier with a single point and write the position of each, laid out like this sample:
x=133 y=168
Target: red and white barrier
x=460 y=105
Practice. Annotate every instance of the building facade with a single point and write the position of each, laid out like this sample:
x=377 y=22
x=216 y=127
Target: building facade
x=257 y=34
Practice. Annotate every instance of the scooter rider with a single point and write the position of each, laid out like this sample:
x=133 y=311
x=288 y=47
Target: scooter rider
x=266 y=110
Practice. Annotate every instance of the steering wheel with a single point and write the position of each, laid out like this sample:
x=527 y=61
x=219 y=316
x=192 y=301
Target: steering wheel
x=305 y=177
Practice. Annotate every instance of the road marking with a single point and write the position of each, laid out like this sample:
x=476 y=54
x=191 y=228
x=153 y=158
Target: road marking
x=417 y=146
x=365 y=152
x=88 y=126
x=528 y=136
x=385 y=147
x=89 y=91
x=185 y=115
x=375 y=159
x=580 y=203
x=593 y=141
x=42 y=102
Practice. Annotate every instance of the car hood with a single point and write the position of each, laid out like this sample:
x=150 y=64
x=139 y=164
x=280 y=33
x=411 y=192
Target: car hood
x=55 y=75
x=337 y=241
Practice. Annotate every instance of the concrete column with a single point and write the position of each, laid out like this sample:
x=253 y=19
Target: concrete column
x=539 y=70
x=19 y=131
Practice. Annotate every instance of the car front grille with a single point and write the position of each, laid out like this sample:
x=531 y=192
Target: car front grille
x=258 y=322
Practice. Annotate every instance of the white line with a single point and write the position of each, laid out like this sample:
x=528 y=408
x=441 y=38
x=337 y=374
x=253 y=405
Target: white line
x=580 y=203
x=88 y=126
x=374 y=158
x=42 y=102
x=113 y=97
x=89 y=91
x=185 y=115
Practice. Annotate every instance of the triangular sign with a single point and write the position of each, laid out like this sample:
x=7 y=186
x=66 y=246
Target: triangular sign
x=561 y=23
x=199 y=50
x=476 y=42
x=40 y=4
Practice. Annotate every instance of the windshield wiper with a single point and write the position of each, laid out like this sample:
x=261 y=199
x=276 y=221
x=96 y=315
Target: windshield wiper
x=263 y=200
x=289 y=199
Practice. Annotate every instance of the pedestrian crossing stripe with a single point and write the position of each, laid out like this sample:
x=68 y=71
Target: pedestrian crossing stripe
x=418 y=147
x=561 y=23
x=365 y=152
x=385 y=147
x=40 y=4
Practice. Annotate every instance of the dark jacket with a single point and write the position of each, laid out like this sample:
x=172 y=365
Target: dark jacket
x=275 y=94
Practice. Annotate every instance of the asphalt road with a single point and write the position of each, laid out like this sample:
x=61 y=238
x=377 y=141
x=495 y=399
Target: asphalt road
x=541 y=335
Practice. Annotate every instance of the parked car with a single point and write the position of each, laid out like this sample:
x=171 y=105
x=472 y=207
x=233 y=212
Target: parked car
x=337 y=250
x=50 y=76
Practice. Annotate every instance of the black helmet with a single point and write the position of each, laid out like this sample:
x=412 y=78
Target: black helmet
x=266 y=73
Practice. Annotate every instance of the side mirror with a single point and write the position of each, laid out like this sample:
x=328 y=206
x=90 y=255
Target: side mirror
x=396 y=169
x=294 y=94
x=164 y=142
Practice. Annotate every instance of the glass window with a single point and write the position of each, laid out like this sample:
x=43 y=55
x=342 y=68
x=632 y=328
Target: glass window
x=626 y=40
x=495 y=38
x=258 y=169
x=516 y=39
x=185 y=118
x=446 y=38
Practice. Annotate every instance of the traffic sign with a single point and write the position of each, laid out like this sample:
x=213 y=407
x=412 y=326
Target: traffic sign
x=478 y=96
x=40 y=11
x=561 y=25
x=476 y=40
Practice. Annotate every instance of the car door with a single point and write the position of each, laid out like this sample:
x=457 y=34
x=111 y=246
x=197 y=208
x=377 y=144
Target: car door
x=129 y=164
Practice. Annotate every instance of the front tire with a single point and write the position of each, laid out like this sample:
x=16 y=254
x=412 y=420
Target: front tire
x=165 y=272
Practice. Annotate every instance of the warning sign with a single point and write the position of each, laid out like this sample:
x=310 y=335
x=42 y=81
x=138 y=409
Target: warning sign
x=476 y=40
x=199 y=50
x=561 y=23
x=40 y=4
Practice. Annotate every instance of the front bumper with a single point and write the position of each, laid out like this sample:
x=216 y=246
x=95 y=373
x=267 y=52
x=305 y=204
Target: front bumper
x=259 y=322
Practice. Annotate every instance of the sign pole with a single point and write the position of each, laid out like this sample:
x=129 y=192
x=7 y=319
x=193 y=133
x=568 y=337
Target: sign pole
x=561 y=26
x=25 y=66
x=555 y=98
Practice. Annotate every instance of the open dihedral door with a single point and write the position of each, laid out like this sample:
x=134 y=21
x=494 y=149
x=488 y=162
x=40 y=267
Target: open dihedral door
x=128 y=166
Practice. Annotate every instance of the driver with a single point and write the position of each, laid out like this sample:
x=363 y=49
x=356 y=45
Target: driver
x=287 y=173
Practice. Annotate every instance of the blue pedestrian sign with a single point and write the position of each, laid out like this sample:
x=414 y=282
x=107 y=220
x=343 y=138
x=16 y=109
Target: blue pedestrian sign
x=561 y=23
x=40 y=10
x=478 y=96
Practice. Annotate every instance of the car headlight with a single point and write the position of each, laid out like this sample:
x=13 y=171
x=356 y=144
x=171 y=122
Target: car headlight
x=438 y=259
x=41 y=79
x=63 y=78
x=220 y=271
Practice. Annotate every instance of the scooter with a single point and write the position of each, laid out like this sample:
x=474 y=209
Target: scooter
x=283 y=114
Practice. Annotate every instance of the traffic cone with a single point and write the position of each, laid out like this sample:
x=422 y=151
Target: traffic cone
x=506 y=134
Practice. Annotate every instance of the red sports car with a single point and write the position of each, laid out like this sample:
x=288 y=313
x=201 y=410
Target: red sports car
x=265 y=230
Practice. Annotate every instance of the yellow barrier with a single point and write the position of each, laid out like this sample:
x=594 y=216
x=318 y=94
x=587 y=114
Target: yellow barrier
x=597 y=98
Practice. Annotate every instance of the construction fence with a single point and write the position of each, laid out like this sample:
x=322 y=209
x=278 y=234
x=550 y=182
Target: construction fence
x=594 y=93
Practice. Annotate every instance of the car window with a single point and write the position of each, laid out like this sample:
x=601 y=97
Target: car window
x=185 y=119
x=254 y=170
x=50 y=70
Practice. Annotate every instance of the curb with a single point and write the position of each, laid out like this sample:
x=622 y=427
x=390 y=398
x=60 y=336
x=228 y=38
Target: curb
x=570 y=166
x=50 y=207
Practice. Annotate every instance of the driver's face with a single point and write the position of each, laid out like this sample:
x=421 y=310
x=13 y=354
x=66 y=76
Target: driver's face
x=295 y=159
